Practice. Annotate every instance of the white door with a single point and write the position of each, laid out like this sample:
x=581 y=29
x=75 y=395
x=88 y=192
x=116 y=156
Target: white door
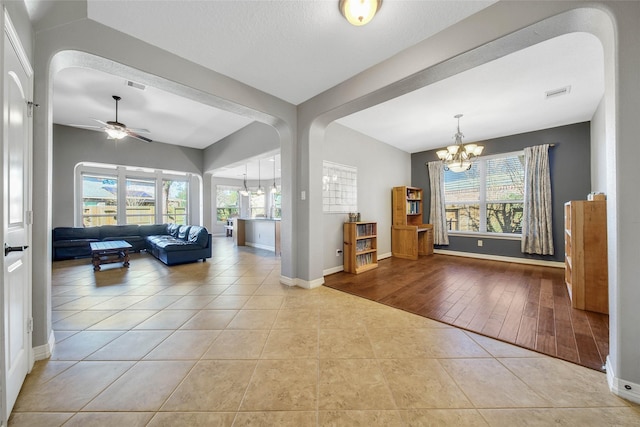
x=16 y=205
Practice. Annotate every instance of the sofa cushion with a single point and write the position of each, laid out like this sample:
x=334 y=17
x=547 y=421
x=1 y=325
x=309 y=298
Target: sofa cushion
x=127 y=238
x=172 y=229
x=73 y=242
x=107 y=231
x=173 y=245
x=198 y=235
x=183 y=232
x=152 y=230
x=75 y=233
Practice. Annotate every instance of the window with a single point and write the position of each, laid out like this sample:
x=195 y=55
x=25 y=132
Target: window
x=227 y=202
x=174 y=206
x=277 y=203
x=488 y=198
x=141 y=201
x=110 y=195
x=99 y=200
x=257 y=205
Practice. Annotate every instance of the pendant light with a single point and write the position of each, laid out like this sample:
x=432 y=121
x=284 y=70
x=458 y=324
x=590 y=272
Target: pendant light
x=274 y=188
x=245 y=190
x=260 y=190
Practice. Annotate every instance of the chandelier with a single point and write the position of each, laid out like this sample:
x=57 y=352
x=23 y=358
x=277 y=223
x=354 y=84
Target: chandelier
x=458 y=157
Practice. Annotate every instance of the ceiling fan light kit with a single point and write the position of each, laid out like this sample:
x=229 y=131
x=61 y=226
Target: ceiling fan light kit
x=359 y=12
x=458 y=157
x=116 y=130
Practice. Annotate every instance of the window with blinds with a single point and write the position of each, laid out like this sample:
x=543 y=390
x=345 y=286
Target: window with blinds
x=488 y=198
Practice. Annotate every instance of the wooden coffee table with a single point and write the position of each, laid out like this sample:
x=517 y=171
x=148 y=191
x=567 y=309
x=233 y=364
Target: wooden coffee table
x=109 y=252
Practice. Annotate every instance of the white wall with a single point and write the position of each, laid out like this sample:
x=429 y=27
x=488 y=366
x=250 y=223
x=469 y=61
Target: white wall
x=380 y=168
x=599 y=150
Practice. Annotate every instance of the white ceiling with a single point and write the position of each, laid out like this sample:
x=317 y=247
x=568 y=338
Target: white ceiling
x=295 y=50
x=291 y=49
x=503 y=97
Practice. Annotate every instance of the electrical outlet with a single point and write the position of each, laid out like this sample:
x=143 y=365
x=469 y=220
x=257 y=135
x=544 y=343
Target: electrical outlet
x=338 y=252
x=479 y=242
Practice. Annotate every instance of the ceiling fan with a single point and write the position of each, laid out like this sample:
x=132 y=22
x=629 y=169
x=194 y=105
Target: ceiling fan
x=117 y=130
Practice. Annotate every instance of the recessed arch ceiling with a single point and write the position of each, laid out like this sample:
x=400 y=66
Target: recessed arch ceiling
x=500 y=98
x=293 y=50
x=506 y=96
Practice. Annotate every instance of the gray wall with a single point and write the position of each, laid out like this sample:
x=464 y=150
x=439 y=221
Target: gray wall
x=252 y=140
x=570 y=164
x=72 y=146
x=380 y=168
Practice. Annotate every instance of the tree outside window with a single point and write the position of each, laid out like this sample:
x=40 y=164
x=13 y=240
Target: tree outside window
x=175 y=198
x=227 y=202
x=257 y=205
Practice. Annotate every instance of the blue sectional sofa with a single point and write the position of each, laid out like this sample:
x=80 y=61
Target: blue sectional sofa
x=170 y=243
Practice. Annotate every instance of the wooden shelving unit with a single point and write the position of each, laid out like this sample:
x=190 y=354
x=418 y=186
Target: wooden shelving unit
x=360 y=246
x=585 y=248
x=410 y=237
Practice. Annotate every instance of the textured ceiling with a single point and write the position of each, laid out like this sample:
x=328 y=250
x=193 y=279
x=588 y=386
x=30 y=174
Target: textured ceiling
x=297 y=49
x=290 y=49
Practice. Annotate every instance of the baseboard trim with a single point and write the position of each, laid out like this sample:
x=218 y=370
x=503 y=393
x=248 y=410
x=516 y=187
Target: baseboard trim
x=259 y=246
x=529 y=261
x=625 y=389
x=306 y=284
x=383 y=256
x=333 y=270
x=42 y=352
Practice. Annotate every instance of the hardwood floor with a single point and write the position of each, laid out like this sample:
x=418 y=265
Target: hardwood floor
x=520 y=304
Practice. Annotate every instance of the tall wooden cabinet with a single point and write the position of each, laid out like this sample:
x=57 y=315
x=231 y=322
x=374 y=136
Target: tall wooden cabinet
x=410 y=237
x=360 y=246
x=585 y=242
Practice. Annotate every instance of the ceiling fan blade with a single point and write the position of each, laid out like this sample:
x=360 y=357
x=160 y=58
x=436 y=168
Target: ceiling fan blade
x=136 y=136
x=85 y=126
x=138 y=130
x=100 y=121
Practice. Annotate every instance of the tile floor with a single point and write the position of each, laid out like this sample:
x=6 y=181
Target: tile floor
x=222 y=343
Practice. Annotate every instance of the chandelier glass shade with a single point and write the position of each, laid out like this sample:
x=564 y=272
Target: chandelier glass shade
x=115 y=132
x=459 y=157
x=359 y=12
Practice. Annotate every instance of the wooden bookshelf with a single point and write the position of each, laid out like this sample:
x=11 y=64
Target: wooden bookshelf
x=410 y=237
x=360 y=246
x=585 y=247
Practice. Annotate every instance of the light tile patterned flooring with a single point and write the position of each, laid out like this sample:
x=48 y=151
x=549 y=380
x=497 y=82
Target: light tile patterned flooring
x=222 y=343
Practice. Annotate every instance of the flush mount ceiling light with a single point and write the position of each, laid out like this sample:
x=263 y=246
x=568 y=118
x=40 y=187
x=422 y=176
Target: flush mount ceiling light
x=458 y=157
x=359 y=12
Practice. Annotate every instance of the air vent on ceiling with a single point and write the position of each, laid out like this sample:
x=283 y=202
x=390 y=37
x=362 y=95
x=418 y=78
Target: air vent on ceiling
x=558 y=92
x=136 y=85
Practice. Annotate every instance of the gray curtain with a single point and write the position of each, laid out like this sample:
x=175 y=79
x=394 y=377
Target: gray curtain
x=437 y=216
x=537 y=234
